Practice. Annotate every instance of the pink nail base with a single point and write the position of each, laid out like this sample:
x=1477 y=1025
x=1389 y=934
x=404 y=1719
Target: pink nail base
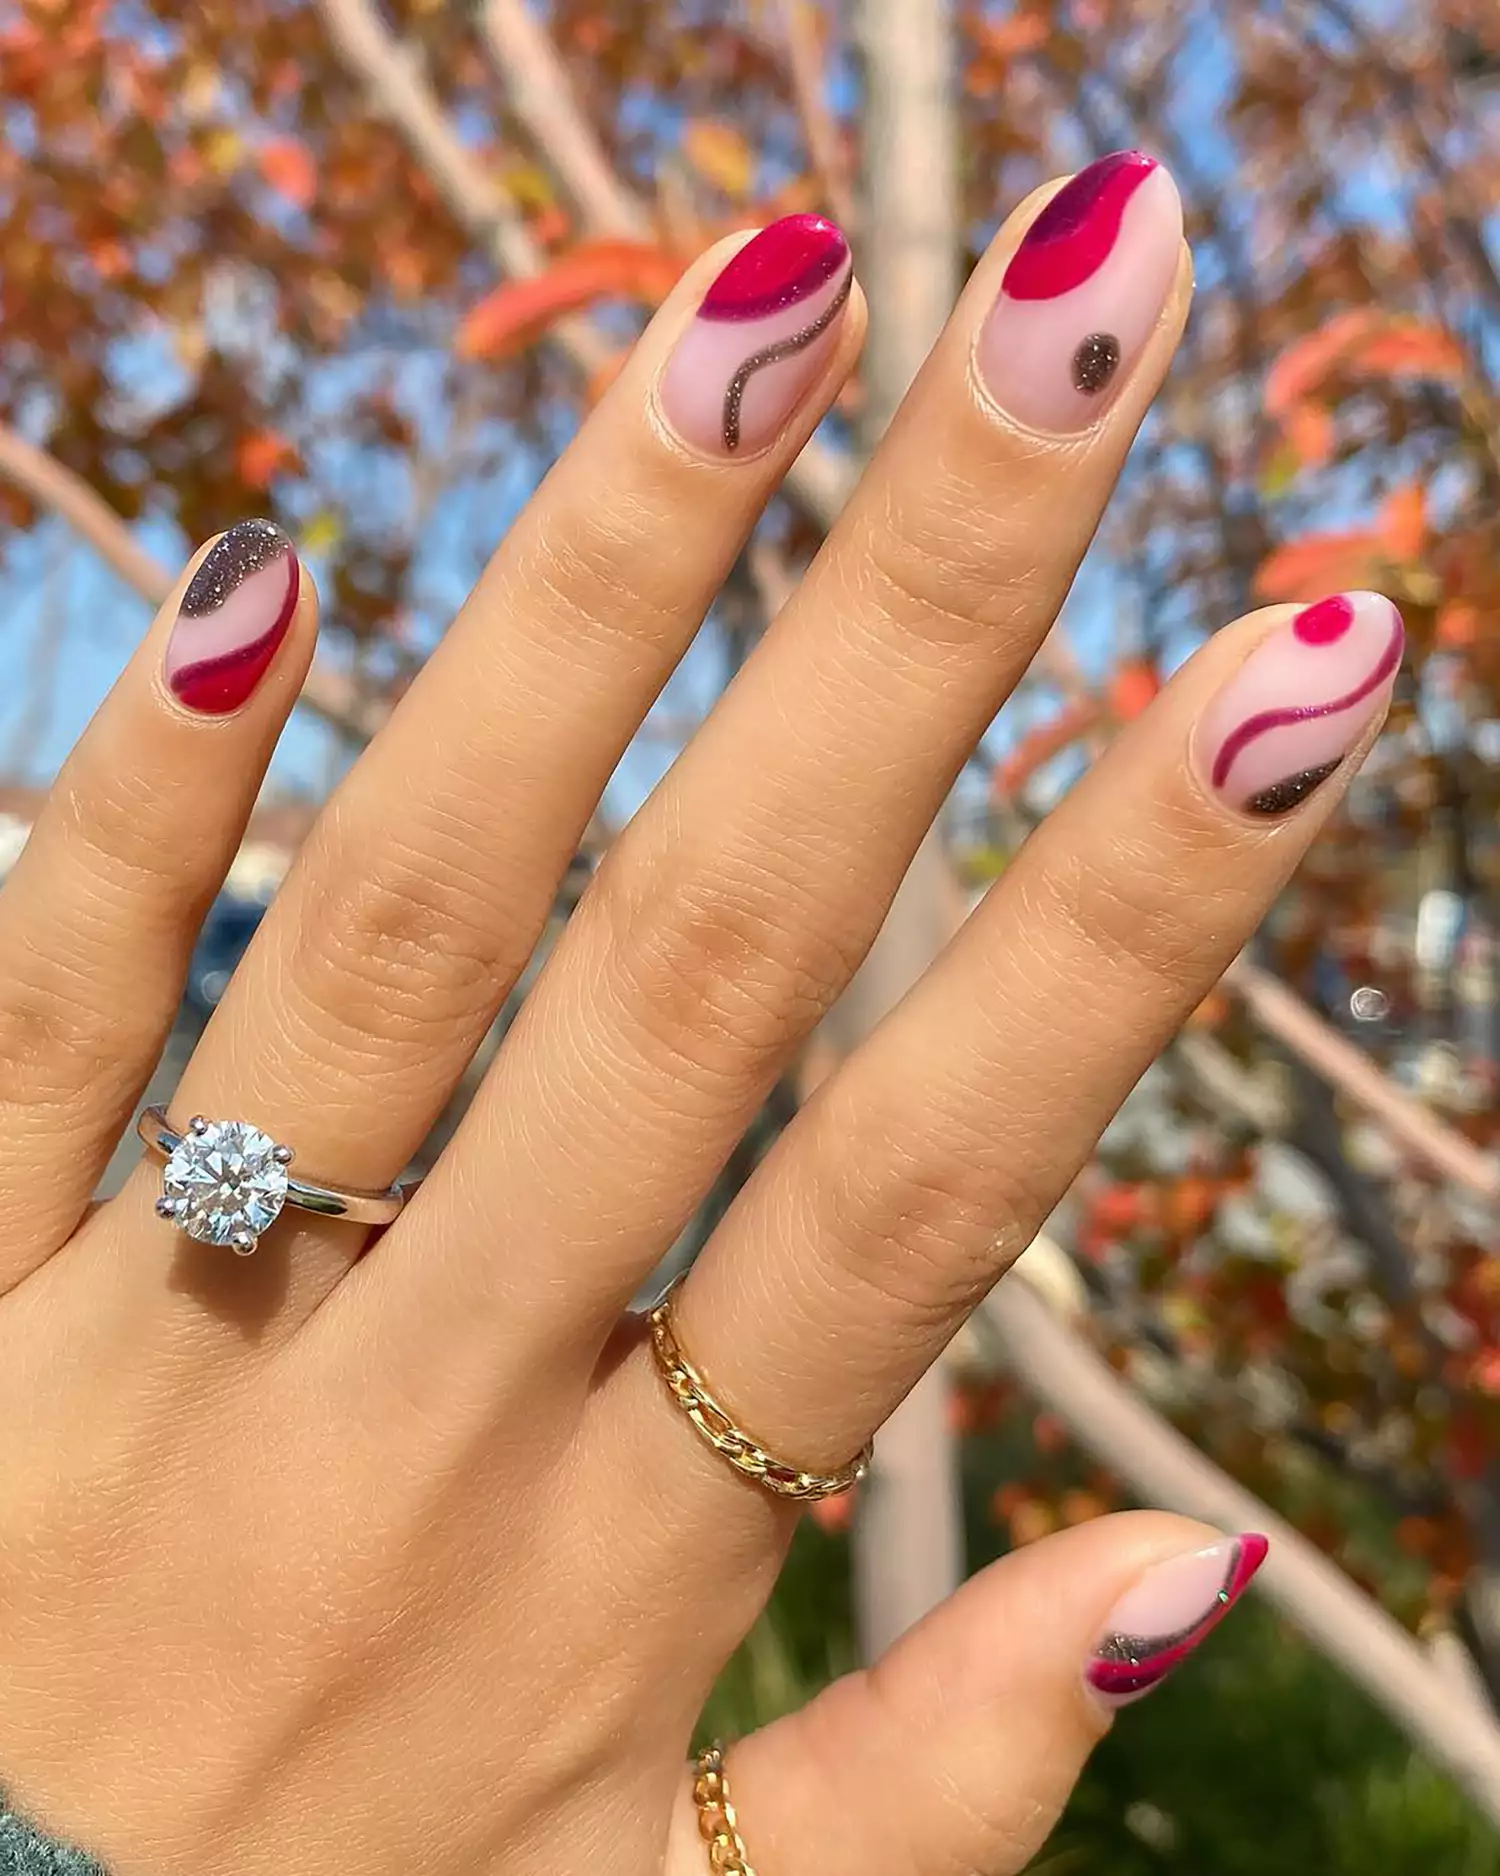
x=1173 y=1608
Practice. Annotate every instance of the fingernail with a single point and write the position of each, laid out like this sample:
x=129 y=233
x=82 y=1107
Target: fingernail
x=1083 y=294
x=761 y=338
x=233 y=618
x=1285 y=721
x=1157 y=1624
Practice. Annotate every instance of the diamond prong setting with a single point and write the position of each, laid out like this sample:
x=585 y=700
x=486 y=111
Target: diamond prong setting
x=224 y=1183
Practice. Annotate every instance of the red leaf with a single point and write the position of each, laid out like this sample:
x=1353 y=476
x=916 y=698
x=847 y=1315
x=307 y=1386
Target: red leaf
x=1040 y=745
x=1132 y=688
x=1308 y=427
x=1307 y=362
x=1410 y=349
x=516 y=314
x=288 y=168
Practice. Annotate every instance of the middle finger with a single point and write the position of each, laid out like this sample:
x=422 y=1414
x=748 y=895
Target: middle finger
x=738 y=903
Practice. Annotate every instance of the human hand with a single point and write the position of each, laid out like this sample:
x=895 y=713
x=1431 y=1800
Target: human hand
x=409 y=1561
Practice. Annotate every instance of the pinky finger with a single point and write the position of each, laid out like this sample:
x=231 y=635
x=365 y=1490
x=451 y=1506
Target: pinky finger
x=99 y=915
x=957 y=1751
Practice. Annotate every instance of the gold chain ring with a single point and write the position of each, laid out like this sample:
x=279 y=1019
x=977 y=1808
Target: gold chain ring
x=693 y=1395
x=717 y=1824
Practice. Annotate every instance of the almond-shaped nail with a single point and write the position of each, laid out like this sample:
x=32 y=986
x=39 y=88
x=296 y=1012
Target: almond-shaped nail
x=1083 y=293
x=1157 y=1624
x=761 y=338
x=234 y=615
x=1285 y=721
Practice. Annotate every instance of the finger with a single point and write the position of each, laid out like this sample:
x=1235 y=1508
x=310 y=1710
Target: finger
x=737 y=904
x=958 y=1750
x=929 y=1160
x=99 y=916
x=421 y=892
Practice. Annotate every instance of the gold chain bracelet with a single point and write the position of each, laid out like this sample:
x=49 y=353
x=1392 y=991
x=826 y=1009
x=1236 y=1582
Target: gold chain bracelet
x=717 y=1824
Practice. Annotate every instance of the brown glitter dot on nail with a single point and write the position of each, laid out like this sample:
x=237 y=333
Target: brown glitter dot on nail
x=1095 y=362
x=1282 y=797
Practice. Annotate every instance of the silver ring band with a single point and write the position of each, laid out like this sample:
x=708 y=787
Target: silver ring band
x=249 y=1197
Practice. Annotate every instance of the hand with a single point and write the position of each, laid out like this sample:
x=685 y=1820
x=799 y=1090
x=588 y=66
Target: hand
x=408 y=1561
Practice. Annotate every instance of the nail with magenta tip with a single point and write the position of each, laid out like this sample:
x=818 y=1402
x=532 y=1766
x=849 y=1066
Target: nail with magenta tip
x=1158 y=1623
x=1286 y=720
x=761 y=338
x=1083 y=293
x=236 y=611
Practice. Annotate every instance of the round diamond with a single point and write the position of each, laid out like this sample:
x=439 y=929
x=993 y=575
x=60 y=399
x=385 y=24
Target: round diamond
x=225 y=1183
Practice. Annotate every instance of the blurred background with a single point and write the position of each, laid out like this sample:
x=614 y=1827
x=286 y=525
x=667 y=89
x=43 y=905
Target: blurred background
x=364 y=264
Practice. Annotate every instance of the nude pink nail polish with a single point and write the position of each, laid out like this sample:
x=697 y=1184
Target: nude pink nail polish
x=236 y=611
x=761 y=338
x=1082 y=294
x=1156 y=1625
x=1285 y=721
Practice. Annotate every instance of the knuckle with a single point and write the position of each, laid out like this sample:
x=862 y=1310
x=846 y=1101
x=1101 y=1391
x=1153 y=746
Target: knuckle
x=921 y=1219
x=1125 y=905
x=717 y=969
x=603 y=567
x=402 y=941
x=934 y=570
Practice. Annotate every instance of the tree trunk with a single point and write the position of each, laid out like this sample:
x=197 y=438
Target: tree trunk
x=909 y=1537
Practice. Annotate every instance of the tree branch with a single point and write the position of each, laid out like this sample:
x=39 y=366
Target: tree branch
x=57 y=490
x=542 y=97
x=820 y=130
x=1059 y=1369
x=1283 y=1014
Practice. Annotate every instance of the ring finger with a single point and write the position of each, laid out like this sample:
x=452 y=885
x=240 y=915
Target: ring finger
x=926 y=1164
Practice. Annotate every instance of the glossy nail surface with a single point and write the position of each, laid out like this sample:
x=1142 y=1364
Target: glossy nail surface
x=233 y=618
x=1157 y=1624
x=761 y=339
x=1083 y=293
x=1284 y=722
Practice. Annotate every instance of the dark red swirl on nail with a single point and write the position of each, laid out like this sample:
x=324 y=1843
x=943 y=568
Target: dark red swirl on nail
x=1130 y=1664
x=1325 y=629
x=234 y=616
x=784 y=265
x=1076 y=232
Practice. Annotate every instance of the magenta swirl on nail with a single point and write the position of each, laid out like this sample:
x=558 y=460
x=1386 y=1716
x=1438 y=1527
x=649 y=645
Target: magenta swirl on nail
x=1285 y=722
x=1156 y=1625
x=1083 y=293
x=761 y=337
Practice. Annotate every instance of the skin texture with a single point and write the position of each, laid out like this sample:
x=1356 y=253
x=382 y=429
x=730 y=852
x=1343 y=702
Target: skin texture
x=404 y=1561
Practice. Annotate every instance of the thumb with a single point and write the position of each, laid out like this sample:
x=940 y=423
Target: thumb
x=958 y=1749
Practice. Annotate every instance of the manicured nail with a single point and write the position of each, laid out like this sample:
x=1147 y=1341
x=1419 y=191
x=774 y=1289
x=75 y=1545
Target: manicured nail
x=761 y=339
x=233 y=618
x=1300 y=702
x=1157 y=1624
x=1083 y=293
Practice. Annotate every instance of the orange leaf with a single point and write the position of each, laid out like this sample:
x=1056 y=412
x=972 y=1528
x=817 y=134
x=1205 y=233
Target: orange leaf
x=516 y=314
x=288 y=167
x=1321 y=563
x=1309 y=431
x=1040 y=745
x=1403 y=522
x=1304 y=365
x=1457 y=626
x=1409 y=349
x=1009 y=38
x=262 y=456
x=721 y=156
x=1132 y=688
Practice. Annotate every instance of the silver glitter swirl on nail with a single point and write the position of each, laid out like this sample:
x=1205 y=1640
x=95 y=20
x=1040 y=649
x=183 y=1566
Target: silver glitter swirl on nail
x=734 y=397
x=248 y=547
